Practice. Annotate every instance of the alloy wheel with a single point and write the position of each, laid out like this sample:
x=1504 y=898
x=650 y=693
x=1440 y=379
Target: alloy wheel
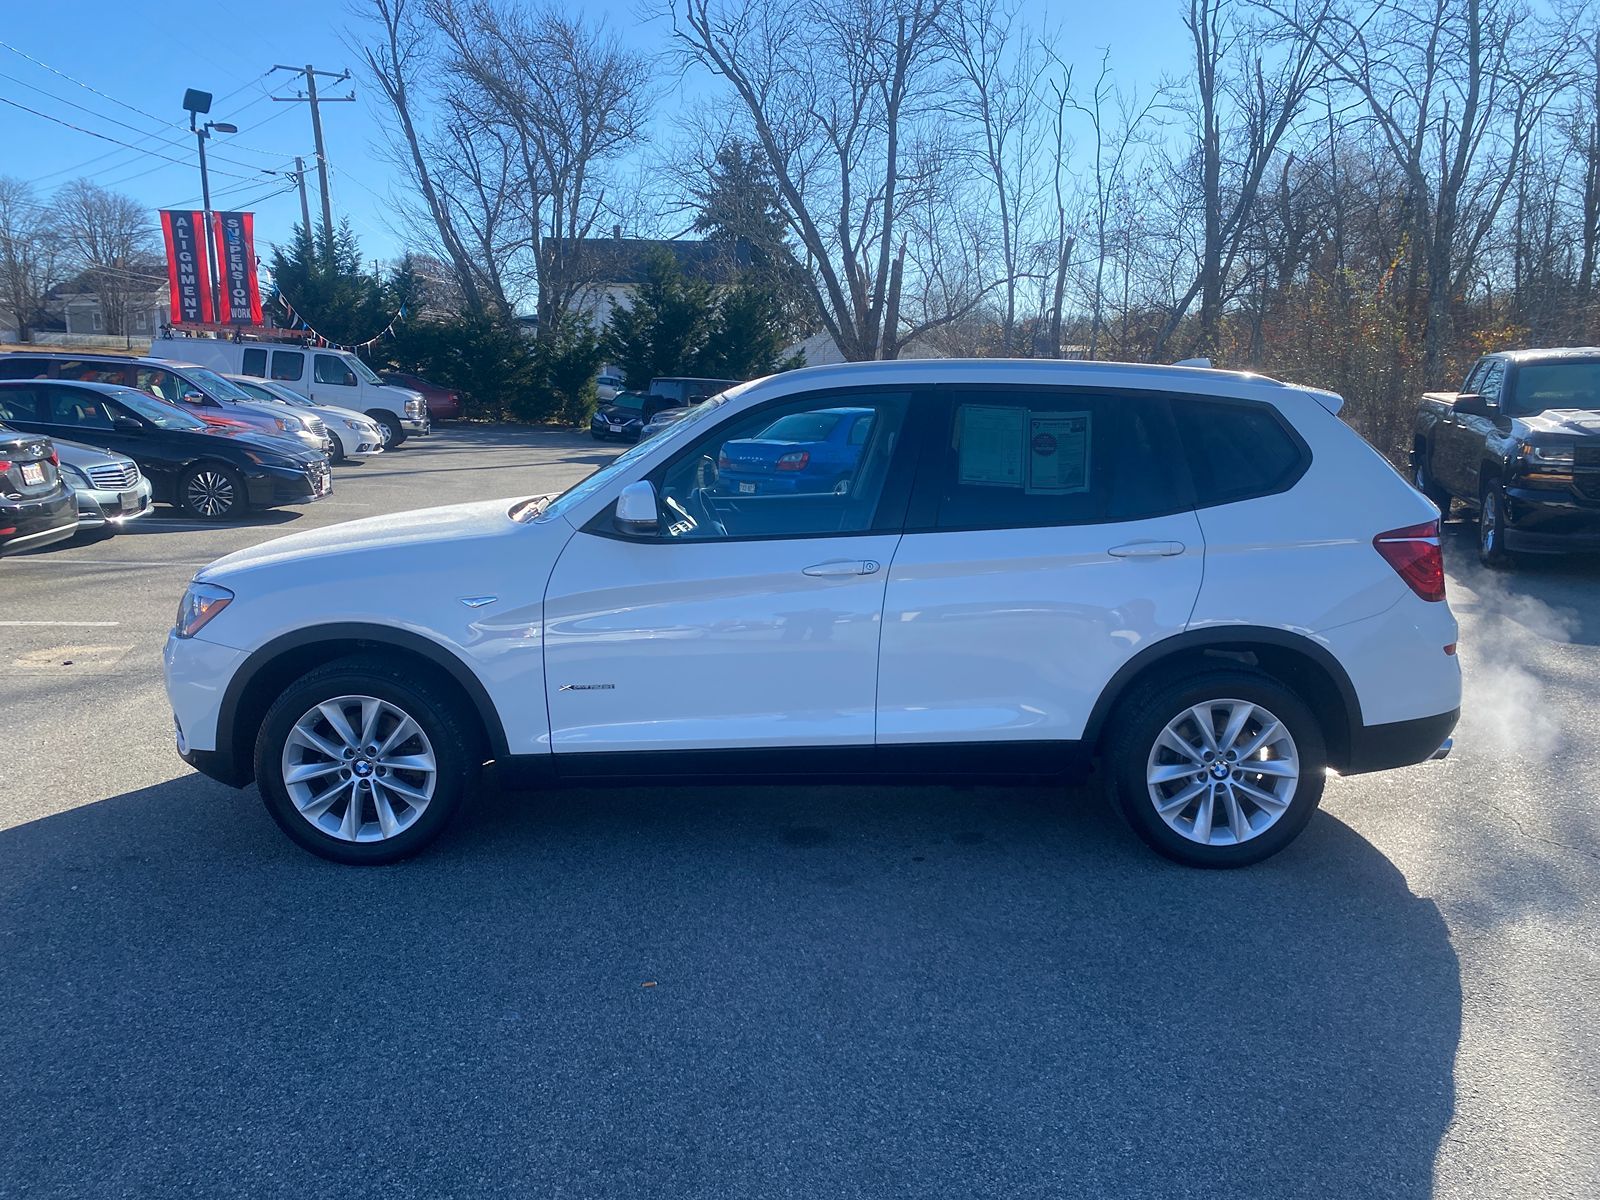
x=1489 y=524
x=359 y=769
x=1223 y=772
x=210 y=493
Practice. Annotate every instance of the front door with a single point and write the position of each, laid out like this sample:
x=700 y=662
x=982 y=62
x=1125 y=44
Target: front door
x=1051 y=537
x=751 y=617
x=333 y=382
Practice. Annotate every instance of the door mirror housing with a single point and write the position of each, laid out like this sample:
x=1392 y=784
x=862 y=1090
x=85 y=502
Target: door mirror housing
x=123 y=423
x=1471 y=404
x=638 y=512
x=198 y=399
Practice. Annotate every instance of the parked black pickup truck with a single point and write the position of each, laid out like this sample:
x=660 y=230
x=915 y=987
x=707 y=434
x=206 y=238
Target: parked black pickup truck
x=1520 y=442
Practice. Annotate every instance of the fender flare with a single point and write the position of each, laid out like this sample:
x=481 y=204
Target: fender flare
x=379 y=635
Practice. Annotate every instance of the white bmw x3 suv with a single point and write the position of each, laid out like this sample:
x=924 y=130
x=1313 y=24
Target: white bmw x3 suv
x=943 y=570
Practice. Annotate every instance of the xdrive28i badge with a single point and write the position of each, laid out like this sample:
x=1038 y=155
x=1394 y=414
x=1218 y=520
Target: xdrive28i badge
x=588 y=687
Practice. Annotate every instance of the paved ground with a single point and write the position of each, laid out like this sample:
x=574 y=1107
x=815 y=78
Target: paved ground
x=781 y=992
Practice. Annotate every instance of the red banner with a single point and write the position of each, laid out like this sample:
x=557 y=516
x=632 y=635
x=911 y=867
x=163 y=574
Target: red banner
x=187 y=273
x=239 y=291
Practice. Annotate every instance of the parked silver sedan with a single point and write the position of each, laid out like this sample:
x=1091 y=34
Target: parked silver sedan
x=111 y=490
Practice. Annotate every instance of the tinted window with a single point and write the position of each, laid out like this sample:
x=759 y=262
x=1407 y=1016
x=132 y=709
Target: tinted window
x=1489 y=386
x=163 y=384
x=1236 y=450
x=288 y=364
x=1018 y=458
x=748 y=478
x=23 y=368
x=1540 y=386
x=255 y=362
x=72 y=406
x=332 y=369
x=91 y=372
x=158 y=412
x=1475 y=376
x=19 y=404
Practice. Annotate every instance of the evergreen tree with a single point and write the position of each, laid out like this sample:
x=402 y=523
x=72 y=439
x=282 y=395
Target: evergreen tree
x=747 y=335
x=326 y=287
x=664 y=329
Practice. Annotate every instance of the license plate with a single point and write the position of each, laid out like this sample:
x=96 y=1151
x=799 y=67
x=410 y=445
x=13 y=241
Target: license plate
x=129 y=501
x=615 y=428
x=32 y=473
x=747 y=488
x=324 y=485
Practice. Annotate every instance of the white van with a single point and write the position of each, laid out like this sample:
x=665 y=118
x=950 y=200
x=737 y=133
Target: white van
x=334 y=377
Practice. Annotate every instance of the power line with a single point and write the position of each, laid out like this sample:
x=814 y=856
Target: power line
x=105 y=137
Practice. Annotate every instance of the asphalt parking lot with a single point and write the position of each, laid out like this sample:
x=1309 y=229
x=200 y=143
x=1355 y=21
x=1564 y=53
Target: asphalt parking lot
x=808 y=992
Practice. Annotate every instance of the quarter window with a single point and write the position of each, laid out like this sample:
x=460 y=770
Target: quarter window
x=1237 y=451
x=255 y=362
x=790 y=470
x=288 y=365
x=1020 y=458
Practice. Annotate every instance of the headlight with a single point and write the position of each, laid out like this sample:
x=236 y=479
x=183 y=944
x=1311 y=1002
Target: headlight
x=415 y=408
x=268 y=460
x=1547 y=456
x=199 y=604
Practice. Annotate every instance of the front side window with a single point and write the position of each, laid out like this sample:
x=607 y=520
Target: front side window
x=162 y=384
x=1538 y=387
x=1237 y=450
x=79 y=409
x=1023 y=458
x=331 y=369
x=288 y=365
x=255 y=362
x=787 y=470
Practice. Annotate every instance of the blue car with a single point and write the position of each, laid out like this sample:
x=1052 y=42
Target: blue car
x=802 y=452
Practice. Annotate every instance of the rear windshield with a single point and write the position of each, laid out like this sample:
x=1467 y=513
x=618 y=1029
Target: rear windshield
x=1541 y=386
x=801 y=427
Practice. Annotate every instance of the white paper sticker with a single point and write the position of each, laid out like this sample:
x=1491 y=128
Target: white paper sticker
x=989 y=449
x=1058 y=454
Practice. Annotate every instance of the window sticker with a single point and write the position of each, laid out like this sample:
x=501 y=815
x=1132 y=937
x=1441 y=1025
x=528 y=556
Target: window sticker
x=1058 y=454
x=989 y=446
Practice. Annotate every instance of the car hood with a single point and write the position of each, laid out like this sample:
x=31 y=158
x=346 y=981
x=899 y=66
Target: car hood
x=1574 y=422
x=406 y=533
x=75 y=454
x=610 y=413
x=283 y=445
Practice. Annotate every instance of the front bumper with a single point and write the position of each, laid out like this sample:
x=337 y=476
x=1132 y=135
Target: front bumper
x=197 y=673
x=272 y=486
x=98 y=507
x=1551 y=521
x=416 y=426
x=1399 y=743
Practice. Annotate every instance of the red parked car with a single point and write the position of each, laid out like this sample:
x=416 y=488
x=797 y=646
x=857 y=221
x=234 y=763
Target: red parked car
x=444 y=404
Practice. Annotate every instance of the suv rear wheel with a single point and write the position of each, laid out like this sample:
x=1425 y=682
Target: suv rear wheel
x=1221 y=769
x=361 y=762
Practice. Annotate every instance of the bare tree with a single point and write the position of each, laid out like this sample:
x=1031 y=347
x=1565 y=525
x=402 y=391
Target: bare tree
x=110 y=239
x=843 y=101
x=31 y=256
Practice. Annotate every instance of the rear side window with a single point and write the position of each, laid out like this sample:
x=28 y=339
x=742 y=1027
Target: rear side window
x=23 y=368
x=1017 y=458
x=1237 y=451
x=19 y=404
x=255 y=363
x=288 y=365
x=78 y=407
x=91 y=372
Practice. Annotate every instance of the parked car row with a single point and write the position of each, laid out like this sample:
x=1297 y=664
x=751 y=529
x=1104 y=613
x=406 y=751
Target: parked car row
x=626 y=415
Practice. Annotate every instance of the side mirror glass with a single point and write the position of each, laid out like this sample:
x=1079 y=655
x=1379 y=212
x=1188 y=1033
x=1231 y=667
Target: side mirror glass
x=637 y=511
x=197 y=399
x=126 y=424
x=1470 y=404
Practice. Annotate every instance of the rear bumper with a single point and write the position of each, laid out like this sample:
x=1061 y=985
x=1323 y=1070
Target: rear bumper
x=1399 y=743
x=30 y=524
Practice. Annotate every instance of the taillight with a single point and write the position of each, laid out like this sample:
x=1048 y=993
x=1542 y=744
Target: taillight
x=795 y=460
x=55 y=459
x=723 y=463
x=5 y=465
x=1415 y=555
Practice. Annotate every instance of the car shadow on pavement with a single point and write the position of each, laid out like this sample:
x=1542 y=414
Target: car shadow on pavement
x=714 y=992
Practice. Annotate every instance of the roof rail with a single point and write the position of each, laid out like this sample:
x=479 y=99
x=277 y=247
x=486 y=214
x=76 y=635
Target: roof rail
x=1193 y=362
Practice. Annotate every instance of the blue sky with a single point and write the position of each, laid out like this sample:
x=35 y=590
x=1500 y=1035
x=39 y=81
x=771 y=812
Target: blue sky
x=144 y=55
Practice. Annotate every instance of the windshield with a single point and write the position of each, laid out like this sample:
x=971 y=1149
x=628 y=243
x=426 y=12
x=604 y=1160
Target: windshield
x=627 y=401
x=361 y=368
x=158 y=412
x=215 y=384
x=1542 y=386
x=590 y=484
x=255 y=391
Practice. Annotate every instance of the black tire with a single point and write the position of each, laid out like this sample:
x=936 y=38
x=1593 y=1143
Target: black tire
x=1492 y=551
x=451 y=731
x=337 y=455
x=212 y=491
x=1140 y=722
x=394 y=432
x=1422 y=479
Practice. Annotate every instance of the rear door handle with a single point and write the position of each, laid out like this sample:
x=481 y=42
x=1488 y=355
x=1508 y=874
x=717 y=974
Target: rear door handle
x=1146 y=550
x=839 y=567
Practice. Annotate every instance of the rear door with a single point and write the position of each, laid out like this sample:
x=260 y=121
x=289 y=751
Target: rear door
x=1051 y=537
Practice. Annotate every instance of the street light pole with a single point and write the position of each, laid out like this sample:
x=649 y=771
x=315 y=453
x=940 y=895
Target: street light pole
x=196 y=103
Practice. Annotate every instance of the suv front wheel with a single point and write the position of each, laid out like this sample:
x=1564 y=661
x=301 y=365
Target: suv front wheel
x=1221 y=769
x=363 y=763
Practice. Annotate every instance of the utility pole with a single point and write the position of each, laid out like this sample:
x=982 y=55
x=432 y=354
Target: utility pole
x=309 y=96
x=305 y=208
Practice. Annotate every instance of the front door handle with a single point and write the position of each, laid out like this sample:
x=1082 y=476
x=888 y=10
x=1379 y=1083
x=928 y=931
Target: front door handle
x=1146 y=550
x=840 y=567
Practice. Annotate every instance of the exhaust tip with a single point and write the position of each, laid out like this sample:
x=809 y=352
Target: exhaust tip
x=1443 y=751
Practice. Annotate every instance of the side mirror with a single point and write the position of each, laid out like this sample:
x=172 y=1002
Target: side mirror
x=1470 y=404
x=197 y=399
x=126 y=424
x=637 y=511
